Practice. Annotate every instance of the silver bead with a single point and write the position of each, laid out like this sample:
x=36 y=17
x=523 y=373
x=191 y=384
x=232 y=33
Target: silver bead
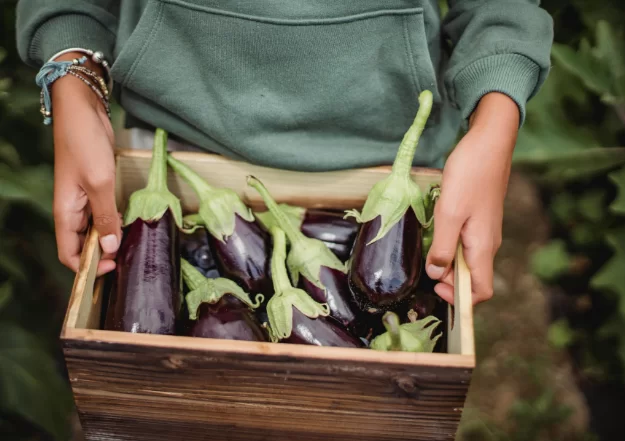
x=97 y=57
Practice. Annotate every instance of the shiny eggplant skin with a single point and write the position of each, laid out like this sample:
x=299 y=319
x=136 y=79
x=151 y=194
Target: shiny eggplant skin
x=320 y=331
x=387 y=271
x=195 y=249
x=340 y=250
x=244 y=257
x=422 y=303
x=228 y=319
x=147 y=296
x=329 y=226
x=336 y=295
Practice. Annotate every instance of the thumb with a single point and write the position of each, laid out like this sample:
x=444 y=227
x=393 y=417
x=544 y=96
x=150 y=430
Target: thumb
x=106 y=219
x=443 y=250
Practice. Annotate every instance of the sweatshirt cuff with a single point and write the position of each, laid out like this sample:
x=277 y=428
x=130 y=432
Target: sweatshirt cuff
x=68 y=31
x=511 y=74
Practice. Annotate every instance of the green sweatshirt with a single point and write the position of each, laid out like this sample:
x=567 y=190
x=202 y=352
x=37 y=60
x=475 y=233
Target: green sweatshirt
x=301 y=84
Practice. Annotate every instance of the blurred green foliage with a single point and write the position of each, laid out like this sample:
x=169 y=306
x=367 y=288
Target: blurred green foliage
x=35 y=400
x=573 y=144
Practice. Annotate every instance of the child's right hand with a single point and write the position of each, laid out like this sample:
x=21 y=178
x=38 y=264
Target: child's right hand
x=84 y=172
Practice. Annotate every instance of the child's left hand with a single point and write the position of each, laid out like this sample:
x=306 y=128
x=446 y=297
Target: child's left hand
x=470 y=208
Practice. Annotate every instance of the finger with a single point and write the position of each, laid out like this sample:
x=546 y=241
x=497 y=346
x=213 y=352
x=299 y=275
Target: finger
x=101 y=194
x=69 y=230
x=105 y=266
x=447 y=226
x=479 y=255
x=445 y=291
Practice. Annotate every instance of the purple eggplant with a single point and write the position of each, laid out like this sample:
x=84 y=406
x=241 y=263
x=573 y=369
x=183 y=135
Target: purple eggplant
x=328 y=226
x=386 y=261
x=312 y=266
x=219 y=308
x=195 y=249
x=241 y=247
x=415 y=336
x=294 y=317
x=146 y=297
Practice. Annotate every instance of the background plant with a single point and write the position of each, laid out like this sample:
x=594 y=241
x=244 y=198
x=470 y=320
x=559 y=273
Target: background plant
x=573 y=145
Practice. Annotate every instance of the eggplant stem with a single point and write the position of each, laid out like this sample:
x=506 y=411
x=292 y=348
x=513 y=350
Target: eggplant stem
x=408 y=146
x=192 y=277
x=199 y=185
x=392 y=325
x=279 y=273
x=157 y=177
x=294 y=234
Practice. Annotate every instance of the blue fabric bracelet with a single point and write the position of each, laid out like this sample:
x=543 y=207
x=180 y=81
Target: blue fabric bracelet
x=48 y=74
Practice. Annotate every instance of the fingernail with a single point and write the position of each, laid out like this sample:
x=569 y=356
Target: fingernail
x=435 y=272
x=109 y=244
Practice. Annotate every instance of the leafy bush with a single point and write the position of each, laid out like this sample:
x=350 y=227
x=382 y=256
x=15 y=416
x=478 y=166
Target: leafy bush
x=573 y=145
x=35 y=401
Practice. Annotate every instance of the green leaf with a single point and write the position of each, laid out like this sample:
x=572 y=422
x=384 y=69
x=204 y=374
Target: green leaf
x=610 y=276
x=558 y=168
x=10 y=263
x=31 y=185
x=618 y=179
x=563 y=207
x=551 y=261
x=591 y=205
x=6 y=294
x=9 y=154
x=560 y=334
x=30 y=384
x=602 y=67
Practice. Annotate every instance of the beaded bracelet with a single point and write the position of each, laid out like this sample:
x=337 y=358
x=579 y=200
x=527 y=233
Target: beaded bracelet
x=53 y=70
x=96 y=56
x=97 y=91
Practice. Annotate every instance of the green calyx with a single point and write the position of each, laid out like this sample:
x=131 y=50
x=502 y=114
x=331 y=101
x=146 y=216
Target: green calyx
x=218 y=206
x=204 y=290
x=295 y=215
x=415 y=336
x=428 y=231
x=307 y=255
x=150 y=203
x=391 y=197
x=286 y=297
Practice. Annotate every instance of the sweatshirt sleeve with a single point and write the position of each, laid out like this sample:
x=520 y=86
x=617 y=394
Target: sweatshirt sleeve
x=46 y=27
x=498 y=46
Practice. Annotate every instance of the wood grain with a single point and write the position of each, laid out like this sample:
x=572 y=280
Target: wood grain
x=85 y=301
x=334 y=190
x=151 y=387
x=460 y=329
x=134 y=391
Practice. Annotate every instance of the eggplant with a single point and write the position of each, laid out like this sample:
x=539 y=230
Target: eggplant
x=312 y=266
x=415 y=336
x=328 y=226
x=219 y=308
x=294 y=317
x=146 y=297
x=241 y=247
x=195 y=249
x=386 y=261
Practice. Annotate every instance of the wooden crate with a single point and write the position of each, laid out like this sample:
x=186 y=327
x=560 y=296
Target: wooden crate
x=151 y=387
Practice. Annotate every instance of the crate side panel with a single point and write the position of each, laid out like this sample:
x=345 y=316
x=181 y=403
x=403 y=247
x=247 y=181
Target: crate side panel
x=134 y=392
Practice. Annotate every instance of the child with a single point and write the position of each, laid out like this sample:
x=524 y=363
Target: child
x=295 y=84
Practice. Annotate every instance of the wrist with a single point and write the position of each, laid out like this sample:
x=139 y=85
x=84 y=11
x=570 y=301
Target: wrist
x=70 y=89
x=496 y=109
x=497 y=118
